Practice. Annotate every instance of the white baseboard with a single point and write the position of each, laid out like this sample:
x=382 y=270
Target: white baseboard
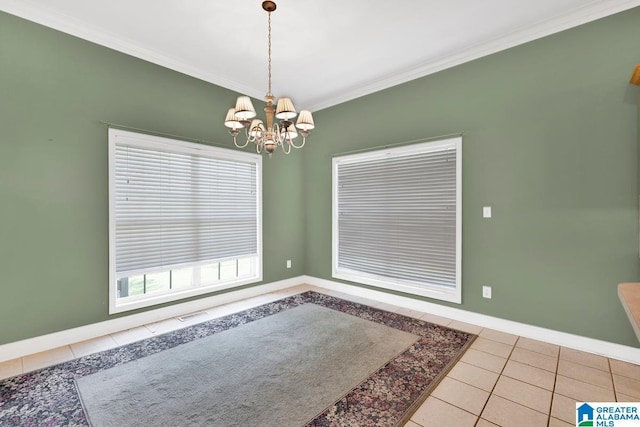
x=591 y=345
x=34 y=345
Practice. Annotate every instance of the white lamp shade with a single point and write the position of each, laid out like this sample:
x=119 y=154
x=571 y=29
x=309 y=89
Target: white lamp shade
x=232 y=121
x=285 y=109
x=256 y=129
x=290 y=132
x=244 y=108
x=305 y=120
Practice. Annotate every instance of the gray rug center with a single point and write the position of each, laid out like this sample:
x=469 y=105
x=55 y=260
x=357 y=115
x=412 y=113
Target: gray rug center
x=281 y=370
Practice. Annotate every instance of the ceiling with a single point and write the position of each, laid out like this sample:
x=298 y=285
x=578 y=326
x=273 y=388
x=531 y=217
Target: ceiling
x=324 y=51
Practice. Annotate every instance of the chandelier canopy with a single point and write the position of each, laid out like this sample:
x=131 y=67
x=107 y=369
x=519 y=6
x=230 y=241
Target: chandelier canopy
x=268 y=138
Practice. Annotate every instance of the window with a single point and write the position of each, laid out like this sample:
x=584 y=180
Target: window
x=184 y=219
x=397 y=218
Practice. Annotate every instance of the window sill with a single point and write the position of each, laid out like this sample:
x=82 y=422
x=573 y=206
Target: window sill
x=435 y=292
x=124 y=306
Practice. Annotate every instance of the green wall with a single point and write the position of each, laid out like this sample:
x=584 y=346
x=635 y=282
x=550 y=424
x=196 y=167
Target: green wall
x=54 y=91
x=550 y=142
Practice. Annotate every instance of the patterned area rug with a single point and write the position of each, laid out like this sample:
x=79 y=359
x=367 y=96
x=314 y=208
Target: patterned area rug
x=388 y=397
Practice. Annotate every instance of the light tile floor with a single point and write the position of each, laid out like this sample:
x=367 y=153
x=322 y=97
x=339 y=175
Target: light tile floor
x=502 y=380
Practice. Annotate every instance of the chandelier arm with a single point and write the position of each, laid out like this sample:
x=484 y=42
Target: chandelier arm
x=238 y=145
x=286 y=142
x=304 y=139
x=235 y=142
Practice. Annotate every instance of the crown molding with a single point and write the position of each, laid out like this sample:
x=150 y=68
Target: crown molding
x=591 y=11
x=66 y=24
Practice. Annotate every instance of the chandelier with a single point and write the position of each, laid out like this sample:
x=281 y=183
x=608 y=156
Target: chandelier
x=268 y=138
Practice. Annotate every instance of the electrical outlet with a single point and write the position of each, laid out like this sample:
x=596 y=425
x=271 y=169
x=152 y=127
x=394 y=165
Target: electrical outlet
x=288 y=263
x=486 y=291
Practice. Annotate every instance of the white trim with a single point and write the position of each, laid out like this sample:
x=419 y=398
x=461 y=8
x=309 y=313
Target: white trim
x=66 y=24
x=592 y=11
x=34 y=345
x=407 y=286
x=117 y=136
x=143 y=301
x=591 y=345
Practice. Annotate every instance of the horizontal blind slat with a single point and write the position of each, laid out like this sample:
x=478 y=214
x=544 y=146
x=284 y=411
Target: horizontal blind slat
x=175 y=208
x=396 y=217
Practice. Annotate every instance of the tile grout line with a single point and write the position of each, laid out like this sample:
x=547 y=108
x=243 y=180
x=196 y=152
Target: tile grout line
x=455 y=406
x=498 y=379
x=75 y=356
x=512 y=401
x=613 y=380
x=491 y=393
x=73 y=353
x=462 y=382
x=478 y=417
x=585 y=382
x=22 y=365
x=555 y=380
x=557 y=374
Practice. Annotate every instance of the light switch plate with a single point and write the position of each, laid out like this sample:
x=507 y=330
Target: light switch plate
x=486 y=211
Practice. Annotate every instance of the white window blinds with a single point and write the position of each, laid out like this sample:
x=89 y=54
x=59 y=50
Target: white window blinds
x=179 y=204
x=397 y=218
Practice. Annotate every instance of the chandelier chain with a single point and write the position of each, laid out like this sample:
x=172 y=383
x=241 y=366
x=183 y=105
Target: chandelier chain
x=269 y=92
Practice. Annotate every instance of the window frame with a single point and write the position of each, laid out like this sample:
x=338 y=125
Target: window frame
x=183 y=147
x=425 y=290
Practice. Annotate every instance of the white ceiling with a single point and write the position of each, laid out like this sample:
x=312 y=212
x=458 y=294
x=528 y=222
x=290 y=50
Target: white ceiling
x=324 y=51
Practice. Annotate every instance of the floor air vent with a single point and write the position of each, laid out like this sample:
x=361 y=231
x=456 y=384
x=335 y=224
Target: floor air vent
x=191 y=316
